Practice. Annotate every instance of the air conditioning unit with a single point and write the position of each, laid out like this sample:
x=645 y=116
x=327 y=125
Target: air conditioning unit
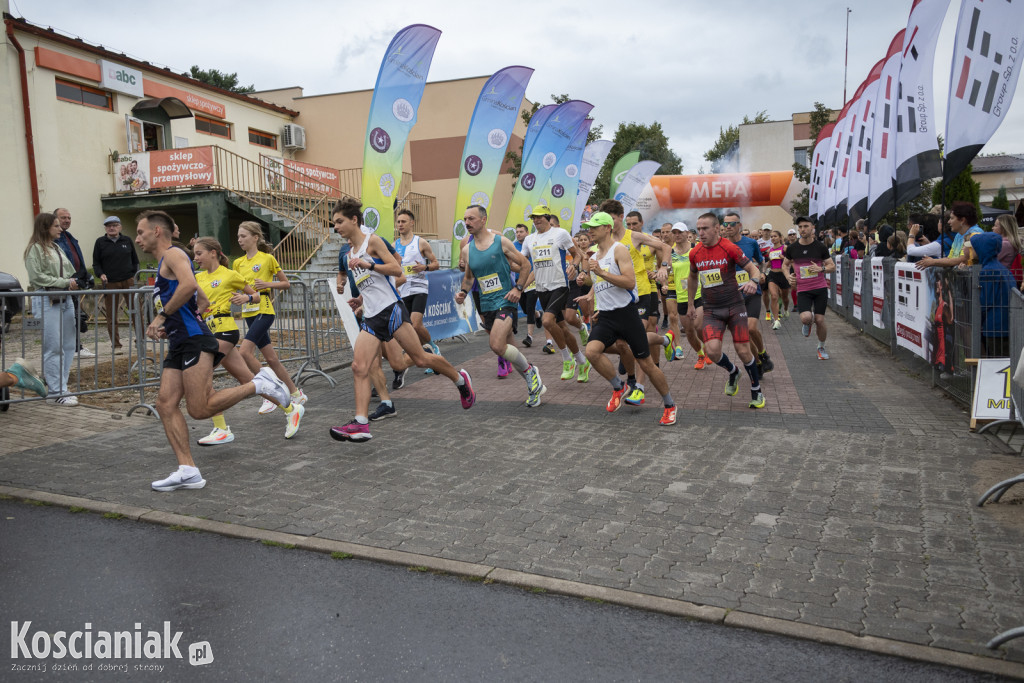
x=294 y=136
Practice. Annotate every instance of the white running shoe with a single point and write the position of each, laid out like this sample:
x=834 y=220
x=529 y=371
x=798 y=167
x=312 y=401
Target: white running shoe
x=86 y=353
x=294 y=418
x=67 y=401
x=217 y=437
x=268 y=384
x=300 y=399
x=267 y=407
x=178 y=481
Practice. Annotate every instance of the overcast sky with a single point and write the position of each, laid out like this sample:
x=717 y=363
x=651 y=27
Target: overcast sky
x=693 y=66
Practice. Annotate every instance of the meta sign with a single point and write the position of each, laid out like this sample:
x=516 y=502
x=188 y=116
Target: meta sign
x=120 y=79
x=721 y=190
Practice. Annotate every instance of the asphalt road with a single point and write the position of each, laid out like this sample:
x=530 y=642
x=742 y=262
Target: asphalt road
x=270 y=613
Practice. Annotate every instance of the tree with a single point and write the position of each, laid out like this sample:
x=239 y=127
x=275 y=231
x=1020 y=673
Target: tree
x=219 y=79
x=961 y=189
x=650 y=140
x=820 y=117
x=728 y=142
x=515 y=156
x=1000 y=201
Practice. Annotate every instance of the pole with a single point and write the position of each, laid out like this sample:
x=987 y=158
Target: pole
x=846 y=58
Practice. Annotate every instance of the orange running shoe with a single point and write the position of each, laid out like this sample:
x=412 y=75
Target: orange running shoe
x=615 y=402
x=702 y=360
x=668 y=417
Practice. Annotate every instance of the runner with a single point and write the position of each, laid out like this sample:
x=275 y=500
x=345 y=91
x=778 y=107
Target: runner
x=257 y=268
x=192 y=352
x=489 y=258
x=680 y=272
x=778 y=282
x=371 y=266
x=668 y=311
x=810 y=260
x=417 y=258
x=528 y=300
x=222 y=287
x=713 y=266
x=635 y=238
x=617 y=321
x=547 y=249
x=733 y=227
x=764 y=242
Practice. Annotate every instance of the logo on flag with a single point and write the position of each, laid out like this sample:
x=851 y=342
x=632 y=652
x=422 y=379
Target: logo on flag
x=981 y=67
x=480 y=198
x=474 y=164
x=548 y=161
x=380 y=140
x=497 y=138
x=403 y=110
x=557 y=191
x=387 y=184
x=528 y=181
x=571 y=170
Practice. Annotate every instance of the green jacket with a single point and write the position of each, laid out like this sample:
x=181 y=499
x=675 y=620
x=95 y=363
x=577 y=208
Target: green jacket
x=48 y=268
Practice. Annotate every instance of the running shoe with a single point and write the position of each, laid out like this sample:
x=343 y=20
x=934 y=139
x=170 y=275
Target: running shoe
x=466 y=393
x=533 y=400
x=668 y=417
x=267 y=407
x=533 y=382
x=217 y=437
x=758 y=401
x=822 y=353
x=568 y=369
x=294 y=418
x=549 y=348
x=434 y=348
x=67 y=401
x=383 y=412
x=26 y=376
x=299 y=397
x=503 y=366
x=86 y=353
x=584 y=334
x=528 y=341
x=805 y=330
x=670 y=350
x=767 y=364
x=733 y=385
x=373 y=392
x=353 y=431
x=431 y=348
x=399 y=380
x=268 y=384
x=178 y=481
x=767 y=316
x=679 y=353
x=777 y=325
x=702 y=360
x=636 y=397
x=785 y=312
x=584 y=375
x=615 y=402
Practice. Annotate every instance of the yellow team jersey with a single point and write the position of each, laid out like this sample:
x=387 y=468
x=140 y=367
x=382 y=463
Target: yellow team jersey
x=264 y=267
x=680 y=275
x=649 y=255
x=218 y=287
x=643 y=285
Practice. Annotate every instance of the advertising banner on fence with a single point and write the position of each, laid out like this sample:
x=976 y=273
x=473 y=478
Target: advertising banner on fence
x=840 y=301
x=914 y=330
x=877 y=292
x=299 y=177
x=858 y=287
x=992 y=390
x=145 y=171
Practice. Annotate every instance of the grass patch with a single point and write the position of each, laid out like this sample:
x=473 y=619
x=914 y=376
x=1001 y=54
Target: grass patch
x=473 y=579
x=276 y=544
x=37 y=503
x=76 y=509
x=179 y=527
x=337 y=555
x=420 y=569
x=113 y=515
x=535 y=589
x=598 y=601
x=4 y=496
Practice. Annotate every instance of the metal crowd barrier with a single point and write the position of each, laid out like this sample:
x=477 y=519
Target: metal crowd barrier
x=330 y=342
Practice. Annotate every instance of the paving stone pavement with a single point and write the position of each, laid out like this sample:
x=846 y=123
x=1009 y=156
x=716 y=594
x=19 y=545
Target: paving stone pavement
x=847 y=503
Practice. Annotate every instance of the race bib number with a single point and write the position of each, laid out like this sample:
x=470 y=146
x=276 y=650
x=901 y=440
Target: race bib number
x=532 y=287
x=490 y=284
x=254 y=307
x=806 y=274
x=710 y=278
x=363 y=276
x=742 y=277
x=211 y=322
x=542 y=257
x=409 y=269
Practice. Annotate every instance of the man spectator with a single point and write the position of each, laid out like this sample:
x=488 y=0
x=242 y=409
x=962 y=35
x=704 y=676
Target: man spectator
x=69 y=245
x=115 y=262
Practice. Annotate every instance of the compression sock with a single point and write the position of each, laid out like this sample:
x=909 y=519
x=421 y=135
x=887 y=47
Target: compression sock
x=631 y=380
x=667 y=398
x=516 y=358
x=726 y=364
x=219 y=422
x=751 y=369
x=616 y=383
x=580 y=358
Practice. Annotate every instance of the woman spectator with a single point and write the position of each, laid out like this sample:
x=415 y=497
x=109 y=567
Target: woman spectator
x=897 y=245
x=49 y=269
x=1011 y=252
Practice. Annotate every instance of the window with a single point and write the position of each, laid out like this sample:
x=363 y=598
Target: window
x=220 y=129
x=83 y=94
x=258 y=137
x=800 y=156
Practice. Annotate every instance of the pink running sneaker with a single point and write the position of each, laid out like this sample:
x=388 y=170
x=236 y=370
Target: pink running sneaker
x=353 y=431
x=466 y=391
x=503 y=368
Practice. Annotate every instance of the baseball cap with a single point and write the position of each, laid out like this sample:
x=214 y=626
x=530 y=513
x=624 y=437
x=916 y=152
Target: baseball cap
x=599 y=218
x=766 y=226
x=111 y=219
x=792 y=231
x=681 y=227
x=540 y=210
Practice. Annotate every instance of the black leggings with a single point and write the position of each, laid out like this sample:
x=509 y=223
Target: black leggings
x=528 y=302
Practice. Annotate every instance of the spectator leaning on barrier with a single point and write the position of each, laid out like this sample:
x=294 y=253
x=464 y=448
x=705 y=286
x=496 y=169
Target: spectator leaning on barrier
x=995 y=282
x=1012 y=251
x=884 y=233
x=69 y=245
x=963 y=221
x=50 y=269
x=115 y=262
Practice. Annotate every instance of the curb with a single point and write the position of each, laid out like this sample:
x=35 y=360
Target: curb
x=518 y=579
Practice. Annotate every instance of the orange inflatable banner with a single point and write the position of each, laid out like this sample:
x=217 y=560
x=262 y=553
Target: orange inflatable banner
x=719 y=191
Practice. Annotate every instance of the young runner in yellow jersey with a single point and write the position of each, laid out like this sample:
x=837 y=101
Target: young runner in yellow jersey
x=260 y=270
x=222 y=287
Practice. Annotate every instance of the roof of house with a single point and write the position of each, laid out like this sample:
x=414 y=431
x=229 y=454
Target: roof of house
x=998 y=163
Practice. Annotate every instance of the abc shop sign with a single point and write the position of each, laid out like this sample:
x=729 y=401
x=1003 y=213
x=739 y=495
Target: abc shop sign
x=120 y=78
